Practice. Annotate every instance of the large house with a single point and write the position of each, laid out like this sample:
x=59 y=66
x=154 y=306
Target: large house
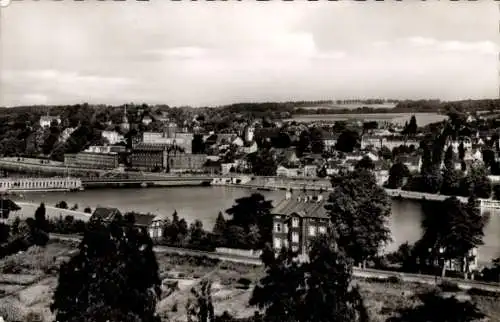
x=108 y=214
x=297 y=219
x=46 y=120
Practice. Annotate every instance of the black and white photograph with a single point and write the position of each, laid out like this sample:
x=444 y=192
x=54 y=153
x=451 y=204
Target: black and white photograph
x=249 y=161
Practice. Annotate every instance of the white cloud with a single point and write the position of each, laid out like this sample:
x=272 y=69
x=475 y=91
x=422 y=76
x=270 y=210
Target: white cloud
x=481 y=47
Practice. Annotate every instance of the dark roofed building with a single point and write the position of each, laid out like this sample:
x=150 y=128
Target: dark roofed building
x=297 y=219
x=105 y=214
x=6 y=206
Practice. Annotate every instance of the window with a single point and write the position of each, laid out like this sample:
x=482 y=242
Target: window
x=322 y=229
x=277 y=227
x=285 y=228
x=295 y=222
x=312 y=230
x=295 y=248
x=295 y=237
x=277 y=243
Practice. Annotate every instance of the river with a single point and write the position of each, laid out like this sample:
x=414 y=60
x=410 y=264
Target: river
x=204 y=203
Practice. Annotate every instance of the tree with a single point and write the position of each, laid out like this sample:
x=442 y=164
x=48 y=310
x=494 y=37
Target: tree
x=451 y=182
x=461 y=151
x=347 y=141
x=41 y=221
x=450 y=230
x=434 y=307
x=201 y=308
x=359 y=210
x=176 y=231
x=198 y=145
x=476 y=183
x=316 y=140
x=449 y=158
x=62 y=204
x=114 y=277
x=250 y=211
x=397 y=173
x=219 y=229
x=365 y=163
x=318 y=290
x=87 y=210
x=14 y=228
x=263 y=163
x=488 y=157
x=496 y=192
x=411 y=128
x=197 y=236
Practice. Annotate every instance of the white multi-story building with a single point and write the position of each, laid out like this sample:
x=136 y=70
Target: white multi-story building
x=113 y=137
x=46 y=120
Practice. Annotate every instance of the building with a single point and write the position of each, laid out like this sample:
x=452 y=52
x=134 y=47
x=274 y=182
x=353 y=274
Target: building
x=93 y=158
x=248 y=133
x=185 y=161
x=297 y=219
x=146 y=120
x=108 y=214
x=46 y=120
x=112 y=137
x=156 y=228
x=125 y=126
x=147 y=158
x=66 y=133
x=6 y=207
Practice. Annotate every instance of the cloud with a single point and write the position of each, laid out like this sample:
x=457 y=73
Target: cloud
x=484 y=47
x=34 y=99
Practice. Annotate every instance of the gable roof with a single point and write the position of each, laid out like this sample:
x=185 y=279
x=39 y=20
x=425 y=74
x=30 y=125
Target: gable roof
x=105 y=213
x=297 y=204
x=7 y=204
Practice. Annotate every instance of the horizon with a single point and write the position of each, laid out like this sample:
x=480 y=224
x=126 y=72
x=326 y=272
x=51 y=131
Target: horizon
x=218 y=54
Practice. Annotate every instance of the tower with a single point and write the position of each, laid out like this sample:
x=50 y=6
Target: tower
x=125 y=126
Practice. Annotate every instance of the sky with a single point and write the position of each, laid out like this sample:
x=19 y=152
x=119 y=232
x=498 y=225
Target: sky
x=213 y=53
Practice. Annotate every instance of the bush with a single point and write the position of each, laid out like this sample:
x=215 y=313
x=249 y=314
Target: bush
x=394 y=280
x=480 y=292
x=447 y=286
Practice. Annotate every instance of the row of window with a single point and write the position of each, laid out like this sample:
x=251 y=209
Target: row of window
x=280 y=228
x=40 y=184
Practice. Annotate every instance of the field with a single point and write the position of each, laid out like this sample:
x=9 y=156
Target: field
x=28 y=280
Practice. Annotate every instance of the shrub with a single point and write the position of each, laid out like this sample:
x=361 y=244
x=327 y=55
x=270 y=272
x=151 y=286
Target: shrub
x=394 y=280
x=447 y=286
x=481 y=292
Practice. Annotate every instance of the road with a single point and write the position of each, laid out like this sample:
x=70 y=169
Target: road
x=357 y=272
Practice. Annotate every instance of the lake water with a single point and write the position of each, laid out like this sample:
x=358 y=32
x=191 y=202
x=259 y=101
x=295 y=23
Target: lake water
x=204 y=203
x=396 y=118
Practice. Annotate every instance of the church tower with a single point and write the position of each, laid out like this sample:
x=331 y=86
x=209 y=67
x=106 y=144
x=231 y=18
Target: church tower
x=125 y=126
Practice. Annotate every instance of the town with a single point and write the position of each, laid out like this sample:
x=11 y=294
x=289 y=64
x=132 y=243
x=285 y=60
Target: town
x=454 y=159
x=249 y=161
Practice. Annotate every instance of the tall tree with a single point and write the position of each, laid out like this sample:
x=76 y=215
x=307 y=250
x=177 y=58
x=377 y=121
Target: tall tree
x=114 y=277
x=397 y=173
x=359 y=210
x=317 y=290
x=347 y=141
x=461 y=151
x=451 y=230
x=219 y=228
x=253 y=210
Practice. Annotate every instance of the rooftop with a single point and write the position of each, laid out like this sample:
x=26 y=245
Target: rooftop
x=304 y=205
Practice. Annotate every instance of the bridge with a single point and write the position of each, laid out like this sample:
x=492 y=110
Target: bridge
x=148 y=182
